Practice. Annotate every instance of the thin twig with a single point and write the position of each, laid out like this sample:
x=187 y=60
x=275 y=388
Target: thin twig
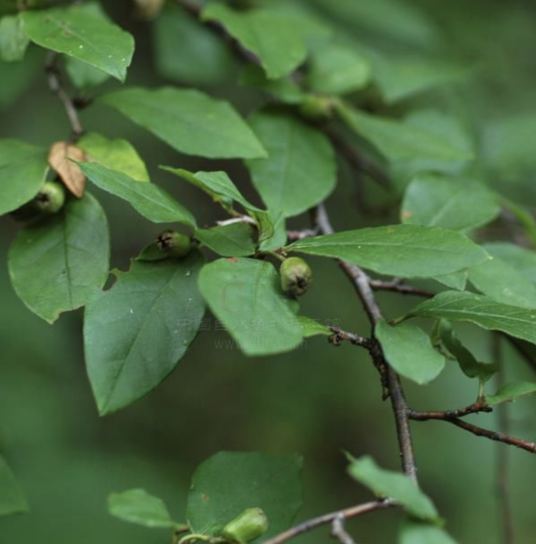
x=195 y=9
x=361 y=283
x=474 y=429
x=293 y=235
x=475 y=408
x=240 y=219
x=338 y=531
x=347 y=513
x=340 y=335
x=396 y=286
x=55 y=85
x=502 y=454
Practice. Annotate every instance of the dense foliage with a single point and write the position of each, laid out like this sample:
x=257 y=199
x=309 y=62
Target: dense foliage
x=266 y=113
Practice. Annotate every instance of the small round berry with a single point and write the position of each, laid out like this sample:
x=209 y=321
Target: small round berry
x=316 y=108
x=174 y=243
x=296 y=276
x=51 y=198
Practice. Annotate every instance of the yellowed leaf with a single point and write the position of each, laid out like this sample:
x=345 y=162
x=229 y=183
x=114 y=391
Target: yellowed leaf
x=60 y=158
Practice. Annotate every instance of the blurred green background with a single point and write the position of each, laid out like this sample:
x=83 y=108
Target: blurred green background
x=318 y=400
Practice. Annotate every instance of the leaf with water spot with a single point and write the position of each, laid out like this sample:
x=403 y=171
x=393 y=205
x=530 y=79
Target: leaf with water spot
x=58 y=263
x=246 y=296
x=82 y=31
x=408 y=251
x=136 y=332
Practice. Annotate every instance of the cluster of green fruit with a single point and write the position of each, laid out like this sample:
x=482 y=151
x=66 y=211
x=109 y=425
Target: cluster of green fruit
x=296 y=274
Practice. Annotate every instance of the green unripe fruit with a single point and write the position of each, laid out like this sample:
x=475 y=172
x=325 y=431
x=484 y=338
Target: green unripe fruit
x=316 y=108
x=175 y=244
x=51 y=198
x=296 y=276
x=248 y=526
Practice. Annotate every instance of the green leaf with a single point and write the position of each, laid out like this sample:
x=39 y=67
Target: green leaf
x=117 y=155
x=13 y=39
x=455 y=280
x=444 y=129
x=217 y=184
x=311 y=327
x=508 y=148
x=457 y=204
x=16 y=77
x=189 y=121
x=409 y=351
x=271 y=36
x=152 y=252
x=402 y=141
x=234 y=240
x=57 y=264
x=337 y=70
x=300 y=170
x=148 y=199
x=230 y=482
x=82 y=31
x=482 y=311
x=266 y=226
x=521 y=259
x=204 y=57
x=278 y=236
x=510 y=392
x=418 y=532
x=23 y=169
x=286 y=89
x=409 y=251
x=311 y=25
x=245 y=295
x=386 y=483
x=137 y=506
x=400 y=78
x=84 y=76
x=136 y=333
x=469 y=365
x=12 y=500
x=500 y=281
x=388 y=20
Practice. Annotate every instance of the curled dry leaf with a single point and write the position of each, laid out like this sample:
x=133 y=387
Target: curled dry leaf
x=60 y=158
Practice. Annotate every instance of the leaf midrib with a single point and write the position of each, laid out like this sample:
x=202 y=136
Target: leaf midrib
x=126 y=358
